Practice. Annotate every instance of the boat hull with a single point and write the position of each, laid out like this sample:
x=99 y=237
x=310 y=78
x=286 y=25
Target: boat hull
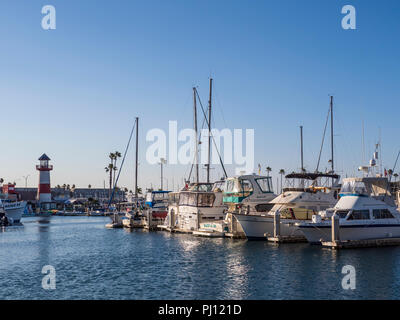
x=14 y=211
x=323 y=233
x=257 y=227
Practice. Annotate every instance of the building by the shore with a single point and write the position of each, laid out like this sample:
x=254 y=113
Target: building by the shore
x=61 y=196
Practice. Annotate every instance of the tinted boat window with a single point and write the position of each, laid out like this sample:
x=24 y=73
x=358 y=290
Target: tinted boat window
x=342 y=213
x=382 y=214
x=359 y=215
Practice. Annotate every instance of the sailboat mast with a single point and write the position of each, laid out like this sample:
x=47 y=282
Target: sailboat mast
x=136 y=161
x=195 y=132
x=332 y=163
x=301 y=148
x=209 y=132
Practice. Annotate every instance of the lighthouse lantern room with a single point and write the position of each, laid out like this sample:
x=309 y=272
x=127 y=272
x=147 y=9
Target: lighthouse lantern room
x=44 y=190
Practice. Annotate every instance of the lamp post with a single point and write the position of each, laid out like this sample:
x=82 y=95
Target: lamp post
x=162 y=161
x=26 y=180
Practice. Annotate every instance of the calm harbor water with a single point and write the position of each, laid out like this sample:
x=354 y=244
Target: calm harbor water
x=93 y=262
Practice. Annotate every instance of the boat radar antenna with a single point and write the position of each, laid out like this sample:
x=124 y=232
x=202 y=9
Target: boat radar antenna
x=370 y=169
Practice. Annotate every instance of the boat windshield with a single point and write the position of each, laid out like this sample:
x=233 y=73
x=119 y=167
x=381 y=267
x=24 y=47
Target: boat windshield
x=157 y=196
x=238 y=185
x=173 y=197
x=195 y=199
x=265 y=184
x=160 y=196
x=204 y=187
x=219 y=186
x=354 y=187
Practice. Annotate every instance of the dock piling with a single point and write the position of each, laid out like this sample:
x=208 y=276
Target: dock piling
x=277 y=224
x=335 y=228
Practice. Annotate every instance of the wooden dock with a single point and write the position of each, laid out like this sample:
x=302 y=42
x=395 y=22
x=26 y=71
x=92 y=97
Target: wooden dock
x=208 y=233
x=235 y=235
x=371 y=243
x=286 y=239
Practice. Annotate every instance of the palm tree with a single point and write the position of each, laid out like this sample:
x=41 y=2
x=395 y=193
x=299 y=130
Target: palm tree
x=395 y=177
x=112 y=158
x=390 y=172
x=117 y=155
x=109 y=169
x=139 y=190
x=268 y=171
x=89 y=186
x=281 y=172
x=1 y=180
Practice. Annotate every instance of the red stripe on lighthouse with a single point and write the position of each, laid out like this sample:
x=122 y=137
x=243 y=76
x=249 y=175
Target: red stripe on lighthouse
x=44 y=188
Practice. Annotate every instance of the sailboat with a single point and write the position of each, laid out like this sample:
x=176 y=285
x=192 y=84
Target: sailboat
x=197 y=207
x=117 y=220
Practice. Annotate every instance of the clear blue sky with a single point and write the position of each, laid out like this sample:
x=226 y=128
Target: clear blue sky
x=73 y=92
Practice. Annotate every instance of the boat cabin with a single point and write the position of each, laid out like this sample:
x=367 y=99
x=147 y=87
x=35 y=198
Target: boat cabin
x=311 y=182
x=196 y=199
x=154 y=197
x=239 y=188
x=376 y=187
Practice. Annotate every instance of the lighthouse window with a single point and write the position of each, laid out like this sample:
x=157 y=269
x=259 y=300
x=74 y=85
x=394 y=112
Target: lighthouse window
x=359 y=215
x=382 y=214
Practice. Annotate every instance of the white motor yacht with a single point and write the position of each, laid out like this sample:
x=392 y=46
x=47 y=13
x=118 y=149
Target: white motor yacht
x=200 y=206
x=307 y=195
x=365 y=210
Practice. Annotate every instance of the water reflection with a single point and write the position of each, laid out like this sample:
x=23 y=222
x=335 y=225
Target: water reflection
x=93 y=262
x=44 y=241
x=237 y=269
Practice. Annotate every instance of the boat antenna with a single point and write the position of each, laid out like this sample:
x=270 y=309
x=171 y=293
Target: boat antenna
x=209 y=131
x=122 y=164
x=380 y=151
x=196 y=161
x=323 y=140
x=301 y=148
x=136 y=160
x=331 y=108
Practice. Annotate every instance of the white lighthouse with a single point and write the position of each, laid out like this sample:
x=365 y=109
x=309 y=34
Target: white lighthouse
x=44 y=191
